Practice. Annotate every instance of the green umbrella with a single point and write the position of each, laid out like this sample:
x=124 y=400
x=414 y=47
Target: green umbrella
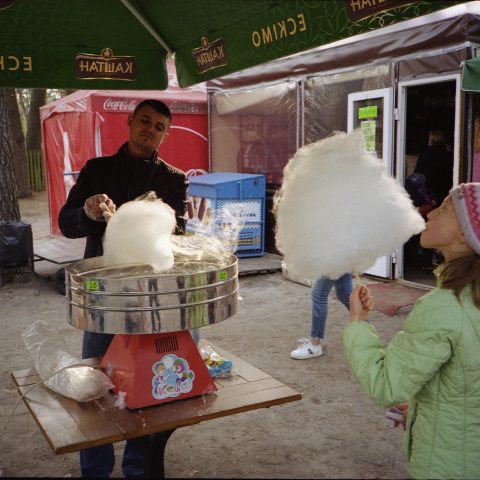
x=101 y=44
x=471 y=75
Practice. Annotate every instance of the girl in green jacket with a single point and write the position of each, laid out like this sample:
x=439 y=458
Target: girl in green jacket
x=434 y=362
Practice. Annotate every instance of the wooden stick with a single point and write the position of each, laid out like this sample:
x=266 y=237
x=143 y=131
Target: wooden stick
x=356 y=276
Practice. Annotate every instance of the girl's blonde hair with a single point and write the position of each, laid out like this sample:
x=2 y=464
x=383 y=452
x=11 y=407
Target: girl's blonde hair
x=459 y=273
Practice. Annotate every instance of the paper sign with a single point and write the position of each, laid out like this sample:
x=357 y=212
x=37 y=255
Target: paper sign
x=368 y=128
x=368 y=112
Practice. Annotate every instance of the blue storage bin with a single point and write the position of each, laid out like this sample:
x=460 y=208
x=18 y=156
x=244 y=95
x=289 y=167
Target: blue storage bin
x=210 y=193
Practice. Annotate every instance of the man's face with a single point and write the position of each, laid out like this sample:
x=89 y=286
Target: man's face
x=148 y=129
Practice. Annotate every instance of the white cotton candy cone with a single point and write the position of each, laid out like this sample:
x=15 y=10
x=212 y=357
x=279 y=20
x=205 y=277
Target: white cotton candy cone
x=140 y=232
x=338 y=210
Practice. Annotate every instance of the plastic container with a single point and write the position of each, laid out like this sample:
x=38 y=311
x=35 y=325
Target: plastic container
x=241 y=194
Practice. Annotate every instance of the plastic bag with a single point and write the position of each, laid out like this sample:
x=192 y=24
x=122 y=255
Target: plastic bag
x=217 y=366
x=48 y=351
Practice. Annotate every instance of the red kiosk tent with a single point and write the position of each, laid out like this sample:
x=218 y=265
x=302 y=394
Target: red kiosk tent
x=91 y=123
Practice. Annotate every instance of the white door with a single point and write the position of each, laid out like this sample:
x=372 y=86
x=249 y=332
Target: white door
x=401 y=116
x=372 y=112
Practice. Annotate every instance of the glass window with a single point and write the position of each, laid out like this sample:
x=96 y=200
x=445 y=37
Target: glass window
x=326 y=98
x=254 y=131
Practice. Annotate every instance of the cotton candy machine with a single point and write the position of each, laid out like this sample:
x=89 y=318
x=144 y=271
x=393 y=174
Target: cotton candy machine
x=152 y=357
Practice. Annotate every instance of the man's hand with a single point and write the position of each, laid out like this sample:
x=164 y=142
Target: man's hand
x=99 y=207
x=361 y=302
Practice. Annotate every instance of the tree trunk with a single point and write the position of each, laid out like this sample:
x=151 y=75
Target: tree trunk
x=9 y=209
x=18 y=145
x=34 y=138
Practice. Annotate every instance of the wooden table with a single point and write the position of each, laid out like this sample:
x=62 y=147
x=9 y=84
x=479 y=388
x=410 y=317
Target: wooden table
x=70 y=426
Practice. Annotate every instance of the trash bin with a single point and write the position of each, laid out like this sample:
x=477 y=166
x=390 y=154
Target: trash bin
x=210 y=193
x=16 y=243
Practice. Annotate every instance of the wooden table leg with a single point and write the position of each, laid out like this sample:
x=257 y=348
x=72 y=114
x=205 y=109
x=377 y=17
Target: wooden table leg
x=154 y=454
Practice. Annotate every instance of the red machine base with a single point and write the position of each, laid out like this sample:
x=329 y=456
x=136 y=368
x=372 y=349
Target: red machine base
x=156 y=368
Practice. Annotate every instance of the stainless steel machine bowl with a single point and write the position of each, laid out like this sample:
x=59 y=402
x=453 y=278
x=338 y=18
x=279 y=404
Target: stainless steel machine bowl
x=136 y=299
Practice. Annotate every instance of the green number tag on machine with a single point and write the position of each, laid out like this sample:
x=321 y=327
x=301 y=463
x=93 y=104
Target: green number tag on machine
x=222 y=275
x=92 y=285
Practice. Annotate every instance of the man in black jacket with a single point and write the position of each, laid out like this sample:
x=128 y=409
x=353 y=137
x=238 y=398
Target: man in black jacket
x=104 y=184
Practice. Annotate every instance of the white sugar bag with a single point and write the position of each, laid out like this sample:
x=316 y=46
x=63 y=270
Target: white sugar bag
x=338 y=210
x=140 y=232
x=50 y=357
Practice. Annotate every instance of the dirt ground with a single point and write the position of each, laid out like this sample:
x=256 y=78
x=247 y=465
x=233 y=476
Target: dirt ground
x=335 y=431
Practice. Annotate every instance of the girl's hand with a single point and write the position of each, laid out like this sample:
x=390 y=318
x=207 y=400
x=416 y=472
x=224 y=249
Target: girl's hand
x=398 y=415
x=361 y=302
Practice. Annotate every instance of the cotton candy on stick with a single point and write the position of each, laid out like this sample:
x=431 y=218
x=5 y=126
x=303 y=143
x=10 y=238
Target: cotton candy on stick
x=338 y=210
x=140 y=232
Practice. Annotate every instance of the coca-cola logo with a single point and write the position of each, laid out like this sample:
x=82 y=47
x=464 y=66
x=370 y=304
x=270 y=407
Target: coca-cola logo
x=122 y=105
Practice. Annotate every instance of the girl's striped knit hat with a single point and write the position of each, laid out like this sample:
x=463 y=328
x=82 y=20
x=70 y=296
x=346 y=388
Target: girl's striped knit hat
x=466 y=200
